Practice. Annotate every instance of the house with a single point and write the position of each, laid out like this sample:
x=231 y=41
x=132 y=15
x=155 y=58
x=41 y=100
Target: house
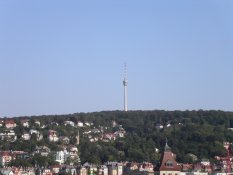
x=120 y=134
x=73 y=153
x=5 y=157
x=69 y=170
x=205 y=162
x=52 y=136
x=102 y=170
x=71 y=123
x=87 y=124
x=54 y=123
x=92 y=169
x=44 y=171
x=55 y=168
x=112 y=170
x=8 y=135
x=208 y=168
x=20 y=155
x=146 y=166
x=197 y=173
x=39 y=136
x=95 y=131
x=37 y=122
x=82 y=170
x=169 y=165
x=61 y=156
x=27 y=171
x=25 y=122
x=64 y=139
x=26 y=136
x=42 y=150
x=198 y=167
x=159 y=126
x=80 y=124
x=1 y=122
x=6 y=171
x=109 y=136
x=114 y=123
x=115 y=168
x=33 y=131
x=10 y=123
x=17 y=170
x=87 y=132
x=132 y=166
x=186 y=167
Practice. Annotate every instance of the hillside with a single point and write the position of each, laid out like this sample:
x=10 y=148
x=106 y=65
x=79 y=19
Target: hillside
x=133 y=136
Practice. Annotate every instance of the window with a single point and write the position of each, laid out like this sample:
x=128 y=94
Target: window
x=169 y=163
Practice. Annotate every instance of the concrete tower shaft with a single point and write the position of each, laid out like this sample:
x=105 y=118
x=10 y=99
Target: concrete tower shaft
x=125 y=83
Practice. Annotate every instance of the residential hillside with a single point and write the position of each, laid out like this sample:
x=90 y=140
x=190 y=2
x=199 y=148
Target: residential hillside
x=116 y=136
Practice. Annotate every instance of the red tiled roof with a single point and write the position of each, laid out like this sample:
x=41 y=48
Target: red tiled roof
x=186 y=167
x=9 y=121
x=168 y=156
x=5 y=153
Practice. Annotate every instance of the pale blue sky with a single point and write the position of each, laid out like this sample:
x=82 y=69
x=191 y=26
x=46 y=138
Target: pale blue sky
x=59 y=57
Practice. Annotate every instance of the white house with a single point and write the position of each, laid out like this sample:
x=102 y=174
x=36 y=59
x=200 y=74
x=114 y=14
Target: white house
x=37 y=122
x=205 y=162
x=52 y=136
x=61 y=156
x=8 y=135
x=26 y=136
x=6 y=171
x=25 y=122
x=71 y=123
x=39 y=136
x=159 y=126
x=103 y=170
x=87 y=124
x=80 y=124
x=33 y=131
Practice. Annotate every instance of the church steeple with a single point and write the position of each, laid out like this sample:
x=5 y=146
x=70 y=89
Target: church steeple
x=167 y=148
x=169 y=165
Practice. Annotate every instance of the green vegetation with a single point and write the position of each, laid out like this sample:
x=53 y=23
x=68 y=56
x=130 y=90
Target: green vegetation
x=201 y=133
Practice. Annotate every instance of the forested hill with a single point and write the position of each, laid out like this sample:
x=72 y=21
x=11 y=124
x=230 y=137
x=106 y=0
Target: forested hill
x=200 y=133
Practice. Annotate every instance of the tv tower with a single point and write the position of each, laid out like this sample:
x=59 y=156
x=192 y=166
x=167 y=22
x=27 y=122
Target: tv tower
x=125 y=83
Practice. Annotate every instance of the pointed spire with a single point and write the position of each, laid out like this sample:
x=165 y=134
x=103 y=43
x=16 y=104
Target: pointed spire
x=167 y=148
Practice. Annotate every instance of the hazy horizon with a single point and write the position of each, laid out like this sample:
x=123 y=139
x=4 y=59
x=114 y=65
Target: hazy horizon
x=62 y=57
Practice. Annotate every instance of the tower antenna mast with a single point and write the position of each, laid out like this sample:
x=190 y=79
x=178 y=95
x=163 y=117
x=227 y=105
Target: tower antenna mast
x=125 y=83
